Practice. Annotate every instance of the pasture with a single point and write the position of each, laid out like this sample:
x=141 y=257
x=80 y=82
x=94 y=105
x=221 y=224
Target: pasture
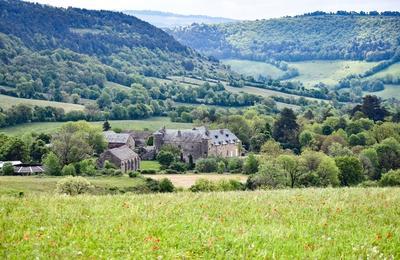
x=390 y=91
x=328 y=72
x=254 y=68
x=151 y=124
x=352 y=223
x=393 y=70
x=8 y=101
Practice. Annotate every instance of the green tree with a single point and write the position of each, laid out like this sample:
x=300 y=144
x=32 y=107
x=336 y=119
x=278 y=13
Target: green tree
x=351 y=172
x=286 y=129
x=165 y=158
x=291 y=167
x=392 y=178
x=250 y=164
x=8 y=169
x=68 y=170
x=166 y=185
x=106 y=126
x=221 y=167
x=52 y=164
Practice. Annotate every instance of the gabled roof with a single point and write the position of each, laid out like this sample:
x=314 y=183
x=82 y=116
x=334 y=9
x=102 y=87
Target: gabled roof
x=123 y=153
x=113 y=137
x=223 y=136
x=217 y=137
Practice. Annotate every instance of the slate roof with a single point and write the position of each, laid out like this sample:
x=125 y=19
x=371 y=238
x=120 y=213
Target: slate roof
x=25 y=169
x=113 y=137
x=197 y=134
x=123 y=153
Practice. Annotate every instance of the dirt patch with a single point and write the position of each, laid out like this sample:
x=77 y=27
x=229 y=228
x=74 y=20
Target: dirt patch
x=187 y=180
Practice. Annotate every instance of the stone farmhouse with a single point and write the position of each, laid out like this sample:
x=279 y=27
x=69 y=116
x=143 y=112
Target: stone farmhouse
x=120 y=151
x=199 y=142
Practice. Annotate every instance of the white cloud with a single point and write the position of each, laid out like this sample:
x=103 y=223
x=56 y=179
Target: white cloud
x=239 y=9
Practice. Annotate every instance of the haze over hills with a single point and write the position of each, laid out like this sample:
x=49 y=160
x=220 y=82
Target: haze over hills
x=171 y=20
x=314 y=36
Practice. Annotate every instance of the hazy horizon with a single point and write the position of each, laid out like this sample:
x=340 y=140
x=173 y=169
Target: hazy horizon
x=234 y=9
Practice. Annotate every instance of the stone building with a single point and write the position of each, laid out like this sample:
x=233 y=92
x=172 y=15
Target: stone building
x=117 y=140
x=199 y=142
x=123 y=157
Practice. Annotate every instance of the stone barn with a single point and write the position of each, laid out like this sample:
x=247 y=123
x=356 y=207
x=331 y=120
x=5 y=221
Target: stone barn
x=199 y=142
x=123 y=157
x=117 y=140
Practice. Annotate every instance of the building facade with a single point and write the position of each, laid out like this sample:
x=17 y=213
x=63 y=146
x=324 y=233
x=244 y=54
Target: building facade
x=123 y=157
x=199 y=142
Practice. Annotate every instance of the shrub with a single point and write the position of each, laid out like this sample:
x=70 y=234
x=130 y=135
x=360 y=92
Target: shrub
x=68 y=170
x=73 y=186
x=392 y=178
x=202 y=185
x=230 y=185
x=171 y=171
x=134 y=174
x=87 y=167
x=117 y=173
x=221 y=167
x=368 y=184
x=166 y=185
x=250 y=165
x=269 y=176
x=207 y=165
x=109 y=165
x=148 y=171
x=178 y=166
x=8 y=169
x=235 y=165
x=152 y=185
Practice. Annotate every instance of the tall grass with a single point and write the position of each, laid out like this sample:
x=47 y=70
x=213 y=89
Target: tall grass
x=308 y=223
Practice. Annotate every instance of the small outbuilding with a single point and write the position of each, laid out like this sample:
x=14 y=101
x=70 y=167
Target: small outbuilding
x=119 y=139
x=123 y=157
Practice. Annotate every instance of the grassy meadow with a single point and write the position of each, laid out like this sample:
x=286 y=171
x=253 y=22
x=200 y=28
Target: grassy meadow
x=8 y=101
x=254 y=68
x=151 y=124
x=328 y=72
x=390 y=91
x=393 y=70
x=353 y=223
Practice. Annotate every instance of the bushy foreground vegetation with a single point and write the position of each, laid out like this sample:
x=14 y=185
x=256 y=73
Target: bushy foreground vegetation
x=311 y=223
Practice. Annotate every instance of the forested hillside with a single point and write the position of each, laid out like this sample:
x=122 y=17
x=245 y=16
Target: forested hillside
x=355 y=36
x=114 y=46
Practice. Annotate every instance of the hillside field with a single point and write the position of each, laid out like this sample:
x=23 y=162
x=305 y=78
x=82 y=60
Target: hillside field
x=390 y=91
x=151 y=124
x=8 y=101
x=393 y=70
x=328 y=72
x=254 y=68
x=353 y=223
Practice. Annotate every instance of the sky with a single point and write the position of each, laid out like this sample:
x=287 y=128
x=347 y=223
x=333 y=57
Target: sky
x=236 y=9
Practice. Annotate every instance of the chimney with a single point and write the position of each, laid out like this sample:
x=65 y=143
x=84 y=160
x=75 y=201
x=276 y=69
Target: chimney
x=221 y=131
x=179 y=133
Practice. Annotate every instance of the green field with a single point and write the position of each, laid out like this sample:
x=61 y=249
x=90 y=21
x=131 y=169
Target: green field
x=393 y=70
x=35 y=185
x=150 y=165
x=112 y=85
x=352 y=223
x=254 y=68
x=8 y=101
x=151 y=124
x=328 y=72
x=390 y=91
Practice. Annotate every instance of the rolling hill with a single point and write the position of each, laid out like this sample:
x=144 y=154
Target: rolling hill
x=58 y=46
x=348 y=36
x=171 y=20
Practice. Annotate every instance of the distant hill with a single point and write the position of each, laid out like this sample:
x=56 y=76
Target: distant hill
x=51 y=50
x=356 y=36
x=171 y=20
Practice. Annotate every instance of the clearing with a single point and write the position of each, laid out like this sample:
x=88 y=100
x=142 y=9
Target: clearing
x=151 y=124
x=8 y=101
x=254 y=68
x=353 y=223
x=328 y=72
